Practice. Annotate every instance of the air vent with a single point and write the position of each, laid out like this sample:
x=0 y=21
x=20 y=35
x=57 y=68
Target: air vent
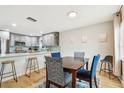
x=31 y=19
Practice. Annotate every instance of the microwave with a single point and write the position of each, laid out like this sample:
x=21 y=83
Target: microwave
x=18 y=43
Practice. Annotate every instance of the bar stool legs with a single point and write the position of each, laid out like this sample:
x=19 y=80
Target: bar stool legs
x=109 y=70
x=37 y=66
x=27 y=67
x=32 y=65
x=8 y=74
x=14 y=72
x=101 y=67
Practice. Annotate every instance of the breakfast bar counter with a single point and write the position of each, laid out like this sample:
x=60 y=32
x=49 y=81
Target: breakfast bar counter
x=20 y=60
x=20 y=54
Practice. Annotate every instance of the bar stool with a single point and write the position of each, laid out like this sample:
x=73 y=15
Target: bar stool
x=12 y=73
x=108 y=60
x=32 y=65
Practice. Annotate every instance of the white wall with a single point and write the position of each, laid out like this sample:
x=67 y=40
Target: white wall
x=122 y=35
x=71 y=41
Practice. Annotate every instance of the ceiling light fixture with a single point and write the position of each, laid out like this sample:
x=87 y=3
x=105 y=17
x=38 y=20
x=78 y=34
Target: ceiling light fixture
x=72 y=14
x=14 y=25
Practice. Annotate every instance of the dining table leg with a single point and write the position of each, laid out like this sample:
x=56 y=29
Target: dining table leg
x=47 y=82
x=87 y=65
x=74 y=76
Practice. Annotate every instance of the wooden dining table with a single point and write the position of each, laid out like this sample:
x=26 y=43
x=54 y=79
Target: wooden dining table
x=73 y=65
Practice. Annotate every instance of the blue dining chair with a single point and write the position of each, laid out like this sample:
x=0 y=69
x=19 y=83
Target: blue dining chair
x=56 y=55
x=87 y=75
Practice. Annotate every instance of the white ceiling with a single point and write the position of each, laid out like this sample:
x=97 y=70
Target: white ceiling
x=53 y=18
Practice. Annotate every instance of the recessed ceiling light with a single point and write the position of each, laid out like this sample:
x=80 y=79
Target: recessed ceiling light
x=14 y=25
x=72 y=14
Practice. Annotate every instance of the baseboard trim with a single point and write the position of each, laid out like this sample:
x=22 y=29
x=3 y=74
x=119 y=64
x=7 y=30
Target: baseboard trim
x=122 y=82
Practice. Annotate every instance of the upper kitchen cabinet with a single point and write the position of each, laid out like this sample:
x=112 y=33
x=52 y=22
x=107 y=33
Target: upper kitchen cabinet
x=28 y=41
x=16 y=38
x=23 y=40
x=40 y=42
x=50 y=39
x=34 y=41
x=12 y=40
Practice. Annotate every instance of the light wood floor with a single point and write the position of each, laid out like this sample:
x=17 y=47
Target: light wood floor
x=105 y=82
x=26 y=82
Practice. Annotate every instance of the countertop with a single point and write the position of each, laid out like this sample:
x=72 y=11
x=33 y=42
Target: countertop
x=21 y=54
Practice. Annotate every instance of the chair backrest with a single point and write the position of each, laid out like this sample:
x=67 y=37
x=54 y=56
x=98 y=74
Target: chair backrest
x=79 y=55
x=94 y=65
x=56 y=55
x=55 y=71
x=109 y=58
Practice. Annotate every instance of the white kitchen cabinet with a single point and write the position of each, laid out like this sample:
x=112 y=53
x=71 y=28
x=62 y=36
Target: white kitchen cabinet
x=40 y=42
x=51 y=39
x=28 y=41
x=16 y=37
x=48 y=40
x=23 y=38
x=12 y=40
x=34 y=41
x=31 y=41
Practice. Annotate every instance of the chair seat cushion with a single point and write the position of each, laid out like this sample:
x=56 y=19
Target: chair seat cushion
x=83 y=74
x=68 y=77
x=108 y=62
x=56 y=55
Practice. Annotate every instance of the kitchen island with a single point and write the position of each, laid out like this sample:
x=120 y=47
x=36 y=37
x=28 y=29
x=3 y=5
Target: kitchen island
x=21 y=61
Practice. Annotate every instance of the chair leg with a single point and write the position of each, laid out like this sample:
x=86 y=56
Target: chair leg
x=27 y=67
x=79 y=80
x=14 y=72
x=37 y=65
x=47 y=84
x=105 y=67
x=95 y=82
x=101 y=67
x=30 y=67
x=34 y=61
x=90 y=83
x=109 y=69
